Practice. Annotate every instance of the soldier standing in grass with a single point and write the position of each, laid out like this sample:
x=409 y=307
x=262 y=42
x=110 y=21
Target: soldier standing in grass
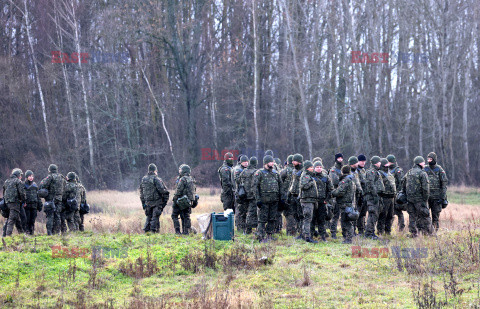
x=154 y=196
x=241 y=207
x=324 y=188
x=71 y=202
x=293 y=191
x=345 y=195
x=308 y=197
x=385 y=217
x=33 y=202
x=83 y=210
x=247 y=180
x=397 y=173
x=225 y=173
x=438 y=181
x=54 y=183
x=361 y=201
x=335 y=173
x=15 y=197
x=373 y=188
x=183 y=201
x=286 y=177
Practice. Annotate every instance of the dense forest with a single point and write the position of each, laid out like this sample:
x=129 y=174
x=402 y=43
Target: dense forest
x=104 y=87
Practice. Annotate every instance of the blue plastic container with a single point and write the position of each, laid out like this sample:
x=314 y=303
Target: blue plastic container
x=222 y=226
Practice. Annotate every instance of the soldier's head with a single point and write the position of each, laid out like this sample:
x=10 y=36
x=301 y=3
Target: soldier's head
x=339 y=157
x=180 y=169
x=391 y=158
x=318 y=167
x=17 y=173
x=297 y=159
x=346 y=170
x=289 y=159
x=362 y=160
x=268 y=152
x=268 y=162
x=52 y=168
x=253 y=161
x=185 y=170
x=353 y=162
x=317 y=159
x=228 y=158
x=308 y=166
x=432 y=158
x=420 y=161
x=239 y=159
x=384 y=164
x=71 y=176
x=29 y=175
x=152 y=169
x=375 y=161
x=244 y=160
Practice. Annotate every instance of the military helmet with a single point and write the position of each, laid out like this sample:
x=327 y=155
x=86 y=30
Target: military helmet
x=432 y=155
x=52 y=168
x=375 y=159
x=289 y=159
x=239 y=159
x=297 y=157
x=253 y=161
x=243 y=158
x=17 y=172
x=71 y=176
x=307 y=164
x=418 y=160
x=28 y=173
x=352 y=160
x=185 y=168
x=391 y=158
x=267 y=159
x=384 y=161
x=317 y=163
x=346 y=169
x=152 y=167
x=228 y=156
x=268 y=153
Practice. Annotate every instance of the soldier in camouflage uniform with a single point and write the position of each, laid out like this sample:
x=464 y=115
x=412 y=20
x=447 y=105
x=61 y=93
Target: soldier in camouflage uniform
x=345 y=195
x=286 y=177
x=185 y=190
x=14 y=195
x=241 y=207
x=33 y=202
x=80 y=214
x=324 y=188
x=294 y=205
x=373 y=187
x=335 y=173
x=308 y=198
x=154 y=196
x=397 y=173
x=385 y=217
x=361 y=201
x=416 y=187
x=54 y=183
x=438 y=187
x=247 y=180
x=71 y=202
x=268 y=192
x=225 y=173
x=278 y=164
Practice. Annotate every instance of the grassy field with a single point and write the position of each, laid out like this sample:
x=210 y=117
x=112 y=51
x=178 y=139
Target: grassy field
x=168 y=271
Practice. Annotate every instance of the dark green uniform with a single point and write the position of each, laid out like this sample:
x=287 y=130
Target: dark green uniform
x=225 y=173
x=385 y=217
x=14 y=195
x=361 y=201
x=373 y=186
x=185 y=190
x=438 y=190
x=241 y=205
x=324 y=188
x=397 y=173
x=33 y=204
x=345 y=194
x=335 y=174
x=55 y=184
x=416 y=188
x=268 y=188
x=308 y=198
x=286 y=177
x=79 y=215
x=293 y=202
x=247 y=180
x=154 y=196
x=71 y=202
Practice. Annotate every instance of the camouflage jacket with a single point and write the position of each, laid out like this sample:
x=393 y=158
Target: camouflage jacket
x=153 y=191
x=362 y=176
x=247 y=177
x=31 y=190
x=267 y=185
x=295 y=182
x=345 y=192
x=308 y=188
x=225 y=173
x=83 y=193
x=438 y=181
x=14 y=190
x=358 y=184
x=397 y=172
x=324 y=186
x=373 y=184
x=54 y=183
x=71 y=191
x=415 y=185
x=335 y=172
x=286 y=177
x=185 y=186
x=237 y=170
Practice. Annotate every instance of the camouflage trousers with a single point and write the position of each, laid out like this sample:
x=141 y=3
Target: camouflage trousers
x=318 y=219
x=297 y=210
x=241 y=210
x=291 y=217
x=279 y=221
x=152 y=222
x=31 y=216
x=347 y=225
x=77 y=219
x=228 y=200
x=184 y=215
x=419 y=218
x=401 y=219
x=362 y=209
x=385 y=217
x=251 y=219
x=80 y=219
x=13 y=219
x=436 y=209
x=373 y=207
x=307 y=208
x=53 y=219
x=267 y=214
x=336 y=217
x=67 y=219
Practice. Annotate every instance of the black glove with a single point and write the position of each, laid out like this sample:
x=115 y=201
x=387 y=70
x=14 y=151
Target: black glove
x=259 y=204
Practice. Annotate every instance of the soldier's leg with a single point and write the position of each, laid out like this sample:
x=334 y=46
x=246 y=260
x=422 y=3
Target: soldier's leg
x=175 y=215
x=251 y=219
x=382 y=217
x=290 y=217
x=56 y=217
x=241 y=215
x=436 y=209
x=186 y=222
x=315 y=220
x=76 y=219
x=388 y=215
x=372 y=218
x=23 y=218
x=272 y=210
x=13 y=218
x=81 y=227
x=424 y=223
x=322 y=212
x=307 y=209
x=5 y=228
x=155 y=219
x=28 y=224
x=228 y=200
x=299 y=215
x=401 y=220
x=262 y=217
x=50 y=218
x=334 y=221
x=69 y=217
x=412 y=219
x=347 y=227
x=278 y=222
x=148 y=220
x=361 y=219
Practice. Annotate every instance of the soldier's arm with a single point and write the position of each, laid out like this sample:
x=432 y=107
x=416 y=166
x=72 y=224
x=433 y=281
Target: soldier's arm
x=444 y=183
x=226 y=179
x=142 y=196
x=306 y=182
x=161 y=187
x=425 y=186
x=256 y=184
x=381 y=186
x=399 y=175
x=340 y=190
x=280 y=187
x=21 y=191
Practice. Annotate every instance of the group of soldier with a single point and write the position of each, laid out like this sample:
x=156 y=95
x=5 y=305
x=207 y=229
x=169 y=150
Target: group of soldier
x=65 y=202
x=313 y=199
